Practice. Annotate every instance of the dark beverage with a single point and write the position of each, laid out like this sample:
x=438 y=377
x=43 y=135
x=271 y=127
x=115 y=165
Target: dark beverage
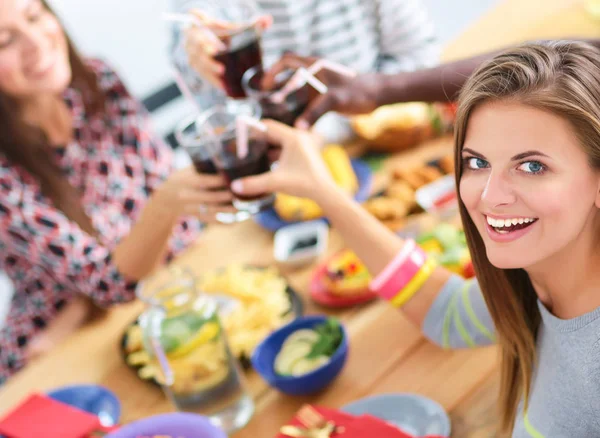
x=255 y=163
x=244 y=53
x=286 y=111
x=204 y=165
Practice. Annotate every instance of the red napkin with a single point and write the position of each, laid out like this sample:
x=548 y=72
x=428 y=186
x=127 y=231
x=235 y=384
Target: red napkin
x=364 y=426
x=41 y=416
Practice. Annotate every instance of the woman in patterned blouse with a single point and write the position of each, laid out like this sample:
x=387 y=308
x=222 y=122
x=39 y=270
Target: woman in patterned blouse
x=88 y=203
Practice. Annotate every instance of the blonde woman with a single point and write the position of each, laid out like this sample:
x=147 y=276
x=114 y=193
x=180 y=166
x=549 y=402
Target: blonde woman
x=528 y=174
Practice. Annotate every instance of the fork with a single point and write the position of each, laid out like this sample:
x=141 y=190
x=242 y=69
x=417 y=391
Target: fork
x=312 y=419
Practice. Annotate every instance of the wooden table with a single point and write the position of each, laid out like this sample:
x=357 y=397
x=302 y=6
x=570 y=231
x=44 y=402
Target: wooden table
x=387 y=353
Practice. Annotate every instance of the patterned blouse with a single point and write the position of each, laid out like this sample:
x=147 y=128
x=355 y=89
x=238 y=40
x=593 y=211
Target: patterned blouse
x=114 y=162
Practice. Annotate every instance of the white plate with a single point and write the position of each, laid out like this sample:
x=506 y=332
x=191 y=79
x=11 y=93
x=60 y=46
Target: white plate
x=414 y=414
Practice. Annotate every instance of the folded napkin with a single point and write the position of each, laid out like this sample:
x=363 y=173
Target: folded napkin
x=364 y=426
x=367 y=424
x=41 y=416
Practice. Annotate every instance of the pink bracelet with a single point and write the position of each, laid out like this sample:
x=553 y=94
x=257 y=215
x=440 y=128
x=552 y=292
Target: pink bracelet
x=399 y=272
x=378 y=282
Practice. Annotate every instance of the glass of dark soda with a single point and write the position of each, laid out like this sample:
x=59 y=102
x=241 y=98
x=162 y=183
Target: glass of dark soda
x=243 y=52
x=238 y=159
x=285 y=111
x=191 y=134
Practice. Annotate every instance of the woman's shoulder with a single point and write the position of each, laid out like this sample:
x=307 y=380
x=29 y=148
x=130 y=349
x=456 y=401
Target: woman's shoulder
x=108 y=78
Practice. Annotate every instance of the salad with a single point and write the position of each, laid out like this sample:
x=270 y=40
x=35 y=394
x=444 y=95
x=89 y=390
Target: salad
x=305 y=350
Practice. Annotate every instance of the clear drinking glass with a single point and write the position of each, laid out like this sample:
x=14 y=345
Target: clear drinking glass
x=241 y=49
x=183 y=331
x=285 y=111
x=229 y=156
x=201 y=150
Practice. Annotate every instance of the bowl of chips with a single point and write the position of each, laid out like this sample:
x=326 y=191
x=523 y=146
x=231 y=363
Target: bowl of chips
x=253 y=302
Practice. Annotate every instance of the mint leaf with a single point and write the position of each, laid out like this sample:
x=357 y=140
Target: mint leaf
x=330 y=338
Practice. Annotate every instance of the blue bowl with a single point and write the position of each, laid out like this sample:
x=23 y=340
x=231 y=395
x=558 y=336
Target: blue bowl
x=263 y=360
x=94 y=399
x=174 y=424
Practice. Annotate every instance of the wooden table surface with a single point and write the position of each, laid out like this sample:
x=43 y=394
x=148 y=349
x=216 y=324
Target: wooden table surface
x=387 y=353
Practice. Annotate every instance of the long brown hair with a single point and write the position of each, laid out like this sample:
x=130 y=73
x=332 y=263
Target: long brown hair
x=29 y=147
x=561 y=77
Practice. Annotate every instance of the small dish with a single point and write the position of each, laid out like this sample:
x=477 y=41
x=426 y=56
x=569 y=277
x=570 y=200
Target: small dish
x=94 y=399
x=300 y=244
x=263 y=360
x=177 y=424
x=320 y=294
x=413 y=413
x=439 y=198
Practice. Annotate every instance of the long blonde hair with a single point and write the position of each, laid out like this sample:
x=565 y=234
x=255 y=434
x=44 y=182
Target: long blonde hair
x=561 y=77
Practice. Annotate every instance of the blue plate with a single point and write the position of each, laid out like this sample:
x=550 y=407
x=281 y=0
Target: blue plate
x=94 y=399
x=270 y=220
x=413 y=413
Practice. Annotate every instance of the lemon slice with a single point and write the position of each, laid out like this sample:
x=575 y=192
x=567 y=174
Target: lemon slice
x=207 y=332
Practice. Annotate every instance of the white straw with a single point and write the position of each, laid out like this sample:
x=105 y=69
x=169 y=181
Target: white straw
x=195 y=21
x=162 y=361
x=292 y=84
x=182 y=18
x=298 y=79
x=313 y=81
x=255 y=123
x=242 y=125
x=241 y=140
x=185 y=90
x=332 y=66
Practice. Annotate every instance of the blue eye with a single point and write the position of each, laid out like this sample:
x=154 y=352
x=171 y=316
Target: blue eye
x=532 y=167
x=475 y=163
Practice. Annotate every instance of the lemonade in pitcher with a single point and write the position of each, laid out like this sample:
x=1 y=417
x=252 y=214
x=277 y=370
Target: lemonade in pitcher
x=183 y=333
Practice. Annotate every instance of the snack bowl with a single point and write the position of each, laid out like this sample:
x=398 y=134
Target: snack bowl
x=176 y=424
x=263 y=359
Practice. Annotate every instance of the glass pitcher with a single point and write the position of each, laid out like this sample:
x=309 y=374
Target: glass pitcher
x=184 y=336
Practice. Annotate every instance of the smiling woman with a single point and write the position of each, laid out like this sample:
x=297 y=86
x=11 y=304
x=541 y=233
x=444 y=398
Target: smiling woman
x=88 y=202
x=528 y=171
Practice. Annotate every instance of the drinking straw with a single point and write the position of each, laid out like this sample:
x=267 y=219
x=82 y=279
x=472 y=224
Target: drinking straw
x=312 y=80
x=162 y=360
x=196 y=22
x=242 y=125
x=324 y=64
x=298 y=79
x=185 y=90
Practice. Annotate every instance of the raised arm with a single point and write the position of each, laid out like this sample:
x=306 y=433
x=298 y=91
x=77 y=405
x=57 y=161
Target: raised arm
x=403 y=274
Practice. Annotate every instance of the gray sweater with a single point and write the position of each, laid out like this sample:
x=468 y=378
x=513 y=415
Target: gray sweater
x=565 y=392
